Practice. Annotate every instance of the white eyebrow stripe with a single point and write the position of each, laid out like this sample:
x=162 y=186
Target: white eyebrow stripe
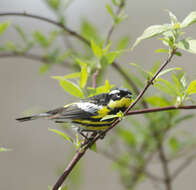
x=114 y=92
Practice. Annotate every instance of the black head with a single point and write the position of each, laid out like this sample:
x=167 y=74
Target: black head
x=119 y=93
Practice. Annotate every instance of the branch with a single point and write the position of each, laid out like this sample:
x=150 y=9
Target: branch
x=65 y=28
x=129 y=80
x=165 y=166
x=45 y=19
x=183 y=166
x=118 y=11
x=31 y=56
x=94 y=138
x=167 y=108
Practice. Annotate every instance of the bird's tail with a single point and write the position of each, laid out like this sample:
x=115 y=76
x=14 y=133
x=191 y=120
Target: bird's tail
x=32 y=117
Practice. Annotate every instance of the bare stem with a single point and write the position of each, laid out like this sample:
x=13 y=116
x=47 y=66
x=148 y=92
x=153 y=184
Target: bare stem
x=31 y=56
x=167 y=108
x=45 y=19
x=165 y=167
x=184 y=165
x=111 y=29
x=94 y=78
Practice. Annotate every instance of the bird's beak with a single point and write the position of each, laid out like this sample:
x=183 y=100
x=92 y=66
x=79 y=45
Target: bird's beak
x=129 y=96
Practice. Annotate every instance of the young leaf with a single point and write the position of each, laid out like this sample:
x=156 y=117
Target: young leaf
x=157 y=101
x=109 y=117
x=173 y=18
x=189 y=20
x=94 y=147
x=168 y=70
x=123 y=43
x=41 y=39
x=3 y=27
x=63 y=135
x=152 y=31
x=191 y=88
x=2 y=149
x=97 y=50
x=44 y=68
x=111 y=56
x=54 y=4
x=161 y=50
x=70 y=87
x=174 y=144
x=72 y=75
x=167 y=87
x=84 y=76
x=110 y=11
x=21 y=33
x=89 y=31
x=141 y=70
x=188 y=45
x=127 y=136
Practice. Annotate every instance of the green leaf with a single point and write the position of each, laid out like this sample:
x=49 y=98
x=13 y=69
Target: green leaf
x=161 y=50
x=110 y=11
x=188 y=45
x=109 y=117
x=97 y=50
x=89 y=31
x=2 y=149
x=72 y=75
x=191 y=88
x=173 y=18
x=174 y=144
x=189 y=20
x=177 y=83
x=21 y=33
x=144 y=73
x=157 y=101
x=10 y=46
x=69 y=87
x=167 y=87
x=94 y=147
x=127 y=136
x=44 y=68
x=84 y=76
x=123 y=43
x=168 y=70
x=111 y=56
x=54 y=4
x=151 y=32
x=3 y=27
x=41 y=39
x=61 y=134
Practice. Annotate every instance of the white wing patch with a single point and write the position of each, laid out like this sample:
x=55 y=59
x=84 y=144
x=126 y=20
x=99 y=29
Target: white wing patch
x=88 y=107
x=114 y=92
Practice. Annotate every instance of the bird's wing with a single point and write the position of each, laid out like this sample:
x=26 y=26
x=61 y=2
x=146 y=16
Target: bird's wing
x=80 y=110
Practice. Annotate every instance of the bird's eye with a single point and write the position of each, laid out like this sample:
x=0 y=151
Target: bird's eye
x=118 y=95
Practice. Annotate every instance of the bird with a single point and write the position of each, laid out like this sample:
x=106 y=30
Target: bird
x=87 y=114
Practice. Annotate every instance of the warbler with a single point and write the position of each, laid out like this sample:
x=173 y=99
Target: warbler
x=87 y=114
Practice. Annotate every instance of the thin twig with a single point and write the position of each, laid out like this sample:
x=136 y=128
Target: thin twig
x=184 y=165
x=111 y=29
x=132 y=167
x=94 y=78
x=165 y=166
x=31 y=56
x=59 y=24
x=65 y=28
x=167 y=108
